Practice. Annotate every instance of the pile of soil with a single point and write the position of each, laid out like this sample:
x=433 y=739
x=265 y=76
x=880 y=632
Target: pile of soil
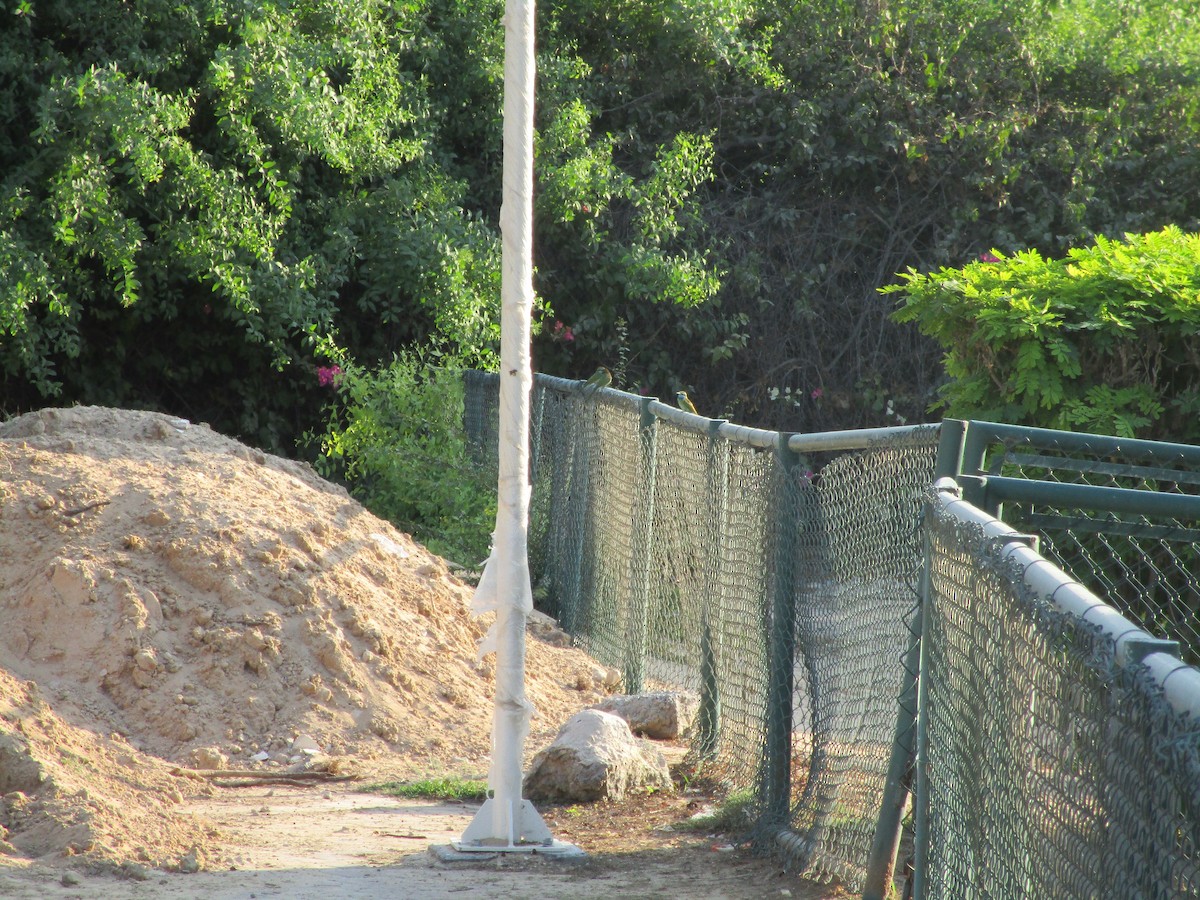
x=172 y=597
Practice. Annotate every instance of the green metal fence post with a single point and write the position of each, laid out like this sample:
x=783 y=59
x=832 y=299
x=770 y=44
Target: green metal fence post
x=881 y=865
x=642 y=539
x=975 y=491
x=782 y=643
x=949 y=461
x=712 y=625
x=972 y=463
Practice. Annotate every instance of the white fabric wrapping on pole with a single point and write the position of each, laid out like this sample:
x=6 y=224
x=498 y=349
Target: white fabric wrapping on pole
x=504 y=588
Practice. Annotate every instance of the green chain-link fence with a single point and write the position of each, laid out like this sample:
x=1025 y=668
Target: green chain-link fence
x=768 y=574
x=1059 y=747
x=1121 y=515
x=779 y=578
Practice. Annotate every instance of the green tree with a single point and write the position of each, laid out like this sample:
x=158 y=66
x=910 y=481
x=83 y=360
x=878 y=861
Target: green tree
x=855 y=138
x=161 y=161
x=191 y=192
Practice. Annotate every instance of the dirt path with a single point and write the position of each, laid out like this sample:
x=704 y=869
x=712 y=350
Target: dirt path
x=341 y=844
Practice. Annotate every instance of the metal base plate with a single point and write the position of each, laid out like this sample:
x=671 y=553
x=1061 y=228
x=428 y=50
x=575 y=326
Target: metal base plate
x=555 y=848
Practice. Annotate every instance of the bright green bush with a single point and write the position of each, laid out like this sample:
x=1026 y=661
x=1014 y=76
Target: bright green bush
x=395 y=436
x=1103 y=340
x=189 y=192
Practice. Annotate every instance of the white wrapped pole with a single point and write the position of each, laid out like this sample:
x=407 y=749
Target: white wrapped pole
x=506 y=821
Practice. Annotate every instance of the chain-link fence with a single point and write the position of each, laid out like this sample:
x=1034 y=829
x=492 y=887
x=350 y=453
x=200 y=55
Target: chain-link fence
x=1059 y=751
x=770 y=577
x=785 y=579
x=1122 y=516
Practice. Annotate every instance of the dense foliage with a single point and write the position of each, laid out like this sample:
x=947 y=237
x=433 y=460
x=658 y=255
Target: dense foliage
x=853 y=139
x=190 y=194
x=1103 y=340
x=395 y=434
x=164 y=167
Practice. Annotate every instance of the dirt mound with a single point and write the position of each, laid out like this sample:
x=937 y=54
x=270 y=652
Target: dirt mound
x=173 y=596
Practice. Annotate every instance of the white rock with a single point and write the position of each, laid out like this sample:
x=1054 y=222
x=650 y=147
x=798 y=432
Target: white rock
x=305 y=743
x=209 y=758
x=662 y=715
x=595 y=756
x=387 y=545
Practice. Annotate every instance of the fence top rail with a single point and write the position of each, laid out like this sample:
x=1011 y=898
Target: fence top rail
x=1080 y=441
x=857 y=439
x=755 y=437
x=1134 y=646
x=760 y=438
x=1088 y=496
x=684 y=419
x=566 y=385
x=1180 y=682
x=581 y=388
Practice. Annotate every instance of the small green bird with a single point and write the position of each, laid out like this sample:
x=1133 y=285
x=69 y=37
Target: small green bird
x=684 y=402
x=601 y=378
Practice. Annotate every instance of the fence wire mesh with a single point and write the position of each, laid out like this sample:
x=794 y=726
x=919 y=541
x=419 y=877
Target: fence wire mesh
x=1142 y=562
x=700 y=562
x=1051 y=768
x=776 y=581
x=858 y=550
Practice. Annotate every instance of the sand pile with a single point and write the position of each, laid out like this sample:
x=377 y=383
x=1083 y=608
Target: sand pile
x=171 y=596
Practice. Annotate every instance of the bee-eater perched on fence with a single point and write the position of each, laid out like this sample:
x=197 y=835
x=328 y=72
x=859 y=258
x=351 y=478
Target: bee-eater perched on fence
x=601 y=378
x=684 y=402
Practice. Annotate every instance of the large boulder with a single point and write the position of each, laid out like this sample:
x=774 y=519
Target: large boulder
x=661 y=715
x=595 y=756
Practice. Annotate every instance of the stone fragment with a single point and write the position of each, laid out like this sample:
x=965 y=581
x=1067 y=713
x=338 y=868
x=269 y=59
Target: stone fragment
x=209 y=758
x=191 y=862
x=134 y=871
x=305 y=743
x=661 y=715
x=545 y=628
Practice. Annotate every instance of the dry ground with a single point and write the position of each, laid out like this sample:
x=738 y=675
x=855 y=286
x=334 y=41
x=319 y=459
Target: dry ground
x=324 y=843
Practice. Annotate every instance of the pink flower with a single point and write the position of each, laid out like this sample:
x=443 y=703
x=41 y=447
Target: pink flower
x=988 y=258
x=817 y=394
x=328 y=375
x=561 y=332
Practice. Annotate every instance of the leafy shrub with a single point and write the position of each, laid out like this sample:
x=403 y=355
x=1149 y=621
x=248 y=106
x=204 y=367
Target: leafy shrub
x=1103 y=340
x=395 y=436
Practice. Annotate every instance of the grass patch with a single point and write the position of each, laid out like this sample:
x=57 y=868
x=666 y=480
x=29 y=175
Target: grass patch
x=735 y=815
x=432 y=789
